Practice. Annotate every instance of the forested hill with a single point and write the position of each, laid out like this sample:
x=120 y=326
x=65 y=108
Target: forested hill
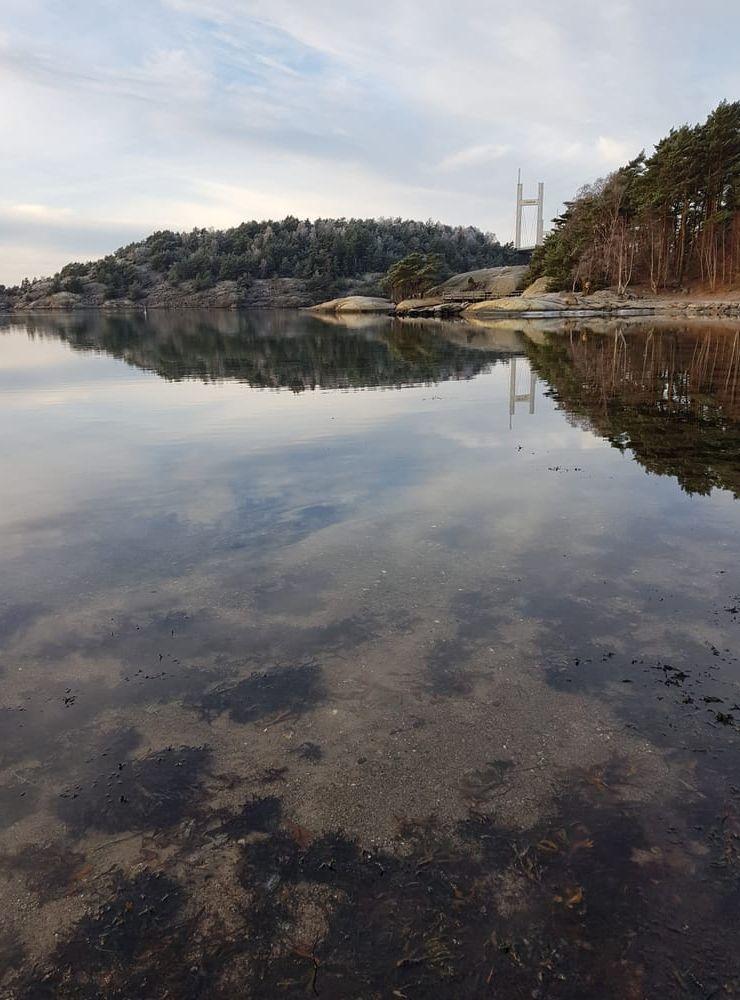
x=664 y=221
x=259 y=263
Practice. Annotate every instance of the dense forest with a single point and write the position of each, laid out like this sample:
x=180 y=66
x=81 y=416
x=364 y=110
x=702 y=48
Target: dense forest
x=322 y=254
x=664 y=221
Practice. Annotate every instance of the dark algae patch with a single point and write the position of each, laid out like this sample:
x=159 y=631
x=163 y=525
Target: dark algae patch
x=259 y=815
x=143 y=793
x=280 y=691
x=12 y=953
x=534 y=914
x=50 y=870
x=16 y=801
x=477 y=621
x=134 y=945
x=585 y=904
x=309 y=751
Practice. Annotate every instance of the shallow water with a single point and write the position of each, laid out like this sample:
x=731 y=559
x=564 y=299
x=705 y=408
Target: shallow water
x=375 y=659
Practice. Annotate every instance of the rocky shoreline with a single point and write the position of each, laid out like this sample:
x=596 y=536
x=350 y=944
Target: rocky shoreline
x=494 y=293
x=542 y=306
x=483 y=295
x=261 y=293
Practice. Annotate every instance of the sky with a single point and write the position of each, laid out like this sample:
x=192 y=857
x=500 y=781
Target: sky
x=119 y=118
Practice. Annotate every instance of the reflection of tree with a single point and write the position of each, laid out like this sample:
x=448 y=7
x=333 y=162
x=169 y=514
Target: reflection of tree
x=296 y=351
x=673 y=398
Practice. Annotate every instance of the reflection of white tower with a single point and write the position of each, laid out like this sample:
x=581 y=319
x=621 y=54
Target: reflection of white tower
x=522 y=397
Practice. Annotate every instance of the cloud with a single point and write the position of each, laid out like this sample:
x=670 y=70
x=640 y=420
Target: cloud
x=37 y=240
x=474 y=156
x=614 y=152
x=38 y=213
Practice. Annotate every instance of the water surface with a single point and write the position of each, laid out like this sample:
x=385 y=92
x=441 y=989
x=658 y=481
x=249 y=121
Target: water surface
x=368 y=659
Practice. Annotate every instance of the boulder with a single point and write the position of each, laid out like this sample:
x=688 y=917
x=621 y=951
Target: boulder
x=355 y=304
x=492 y=280
x=410 y=306
x=516 y=304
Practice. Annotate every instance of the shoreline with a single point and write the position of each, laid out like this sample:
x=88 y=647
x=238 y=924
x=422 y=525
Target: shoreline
x=572 y=306
x=693 y=308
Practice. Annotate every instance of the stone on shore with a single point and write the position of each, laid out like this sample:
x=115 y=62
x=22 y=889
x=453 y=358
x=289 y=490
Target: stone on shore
x=355 y=304
x=491 y=280
x=517 y=304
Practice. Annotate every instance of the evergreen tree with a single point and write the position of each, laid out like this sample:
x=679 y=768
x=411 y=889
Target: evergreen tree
x=660 y=220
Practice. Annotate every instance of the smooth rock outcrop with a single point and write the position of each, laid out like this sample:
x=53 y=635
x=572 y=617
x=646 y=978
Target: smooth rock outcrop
x=517 y=304
x=355 y=304
x=492 y=280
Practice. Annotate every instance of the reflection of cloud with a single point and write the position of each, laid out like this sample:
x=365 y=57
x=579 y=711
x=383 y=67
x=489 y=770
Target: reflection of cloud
x=505 y=438
x=106 y=412
x=16 y=357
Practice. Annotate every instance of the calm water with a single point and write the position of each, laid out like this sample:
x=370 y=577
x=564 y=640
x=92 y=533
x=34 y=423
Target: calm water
x=369 y=660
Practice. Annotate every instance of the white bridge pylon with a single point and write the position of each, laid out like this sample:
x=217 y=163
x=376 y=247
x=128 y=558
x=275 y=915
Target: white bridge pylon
x=521 y=204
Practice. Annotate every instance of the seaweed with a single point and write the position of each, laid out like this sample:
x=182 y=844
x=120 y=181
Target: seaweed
x=150 y=792
x=282 y=691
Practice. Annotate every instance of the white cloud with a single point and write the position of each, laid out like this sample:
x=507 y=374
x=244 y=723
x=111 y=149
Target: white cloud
x=39 y=213
x=474 y=156
x=614 y=152
x=173 y=73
